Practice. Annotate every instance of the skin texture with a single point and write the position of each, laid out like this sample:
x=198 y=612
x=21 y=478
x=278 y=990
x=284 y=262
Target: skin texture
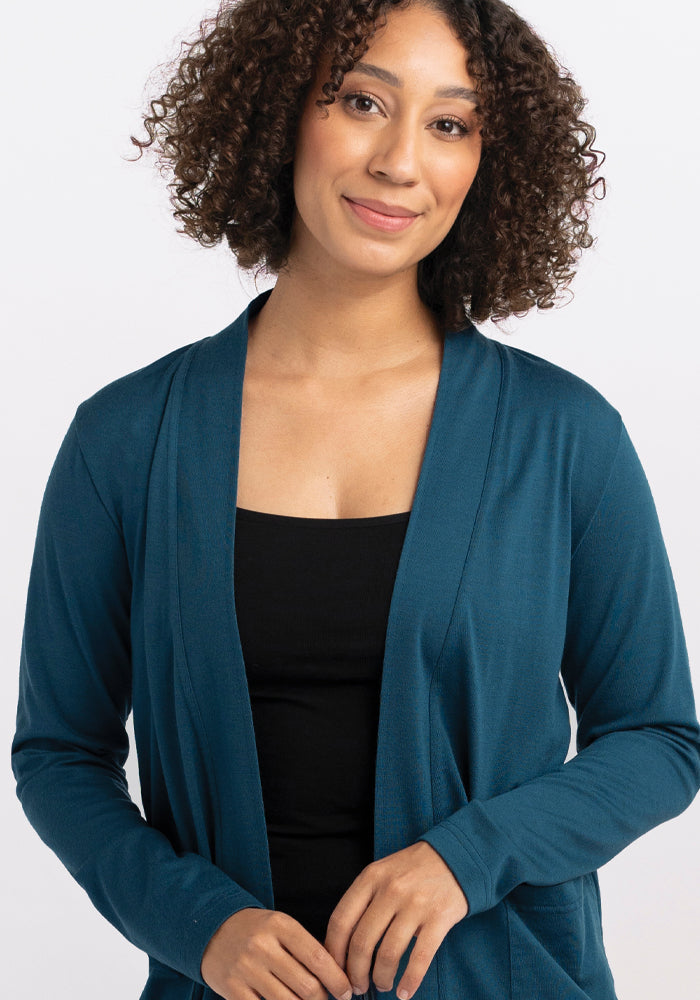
x=396 y=145
x=226 y=127
x=367 y=278
x=406 y=895
x=409 y=894
x=270 y=952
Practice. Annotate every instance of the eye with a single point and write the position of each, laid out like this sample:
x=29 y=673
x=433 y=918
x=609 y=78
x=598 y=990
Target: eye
x=456 y=129
x=362 y=98
x=460 y=128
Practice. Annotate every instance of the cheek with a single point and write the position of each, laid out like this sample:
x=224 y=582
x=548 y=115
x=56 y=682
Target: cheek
x=305 y=154
x=326 y=149
x=454 y=182
x=307 y=177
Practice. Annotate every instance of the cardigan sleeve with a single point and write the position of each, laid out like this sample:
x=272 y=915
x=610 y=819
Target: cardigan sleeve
x=625 y=669
x=70 y=743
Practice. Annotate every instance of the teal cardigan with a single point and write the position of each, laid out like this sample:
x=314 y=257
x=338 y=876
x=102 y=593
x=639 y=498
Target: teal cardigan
x=533 y=567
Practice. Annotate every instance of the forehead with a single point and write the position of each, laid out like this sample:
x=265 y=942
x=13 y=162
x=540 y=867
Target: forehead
x=419 y=33
x=416 y=44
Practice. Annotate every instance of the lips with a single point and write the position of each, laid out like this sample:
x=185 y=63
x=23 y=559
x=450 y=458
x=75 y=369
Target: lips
x=395 y=211
x=381 y=221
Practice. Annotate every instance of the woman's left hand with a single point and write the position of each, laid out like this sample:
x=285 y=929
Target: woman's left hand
x=411 y=893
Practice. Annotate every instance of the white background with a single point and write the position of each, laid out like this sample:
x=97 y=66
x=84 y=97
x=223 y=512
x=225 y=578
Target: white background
x=98 y=283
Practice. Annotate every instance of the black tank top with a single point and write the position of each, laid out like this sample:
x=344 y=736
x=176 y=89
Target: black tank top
x=312 y=603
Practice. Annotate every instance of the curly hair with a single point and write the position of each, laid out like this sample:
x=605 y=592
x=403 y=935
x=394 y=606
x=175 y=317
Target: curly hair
x=227 y=122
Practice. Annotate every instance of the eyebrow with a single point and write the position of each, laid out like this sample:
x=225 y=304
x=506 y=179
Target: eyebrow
x=383 y=74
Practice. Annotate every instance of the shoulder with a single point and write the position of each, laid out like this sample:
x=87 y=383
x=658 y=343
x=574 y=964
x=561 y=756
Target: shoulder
x=539 y=385
x=117 y=428
x=538 y=393
x=130 y=408
x=560 y=427
x=133 y=398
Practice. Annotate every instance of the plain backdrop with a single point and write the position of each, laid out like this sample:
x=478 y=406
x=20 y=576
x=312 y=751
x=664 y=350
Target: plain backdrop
x=97 y=283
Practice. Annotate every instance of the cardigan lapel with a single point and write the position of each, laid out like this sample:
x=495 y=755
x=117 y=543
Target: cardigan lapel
x=435 y=550
x=204 y=477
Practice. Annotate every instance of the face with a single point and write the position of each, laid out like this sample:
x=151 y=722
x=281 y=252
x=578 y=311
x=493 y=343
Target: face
x=401 y=137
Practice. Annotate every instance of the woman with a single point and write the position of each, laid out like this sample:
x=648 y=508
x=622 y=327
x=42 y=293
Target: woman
x=350 y=526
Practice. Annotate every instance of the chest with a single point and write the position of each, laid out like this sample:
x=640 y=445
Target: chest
x=348 y=448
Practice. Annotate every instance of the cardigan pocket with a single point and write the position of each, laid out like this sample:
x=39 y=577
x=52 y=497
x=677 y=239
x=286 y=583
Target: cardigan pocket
x=556 y=945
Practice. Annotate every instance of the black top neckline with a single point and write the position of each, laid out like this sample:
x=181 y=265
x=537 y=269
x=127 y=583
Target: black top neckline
x=261 y=515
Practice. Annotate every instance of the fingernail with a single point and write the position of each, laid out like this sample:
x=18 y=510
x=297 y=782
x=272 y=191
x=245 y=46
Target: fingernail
x=357 y=991
x=347 y=996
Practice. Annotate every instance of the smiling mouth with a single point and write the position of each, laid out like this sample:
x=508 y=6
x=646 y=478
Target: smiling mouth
x=387 y=223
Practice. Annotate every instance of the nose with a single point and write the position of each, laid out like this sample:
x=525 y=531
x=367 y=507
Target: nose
x=396 y=156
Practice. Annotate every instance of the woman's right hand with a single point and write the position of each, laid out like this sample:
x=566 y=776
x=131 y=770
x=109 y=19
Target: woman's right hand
x=267 y=953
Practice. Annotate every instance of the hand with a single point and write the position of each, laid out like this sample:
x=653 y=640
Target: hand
x=270 y=953
x=410 y=891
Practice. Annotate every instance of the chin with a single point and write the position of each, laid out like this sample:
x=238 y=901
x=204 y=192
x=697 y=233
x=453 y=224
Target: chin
x=373 y=259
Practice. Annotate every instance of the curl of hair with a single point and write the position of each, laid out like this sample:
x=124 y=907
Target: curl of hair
x=226 y=123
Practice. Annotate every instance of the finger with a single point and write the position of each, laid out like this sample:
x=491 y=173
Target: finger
x=364 y=941
x=308 y=965
x=345 y=918
x=274 y=988
x=396 y=940
x=271 y=987
x=428 y=941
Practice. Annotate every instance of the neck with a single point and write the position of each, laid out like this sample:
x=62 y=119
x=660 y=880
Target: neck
x=317 y=326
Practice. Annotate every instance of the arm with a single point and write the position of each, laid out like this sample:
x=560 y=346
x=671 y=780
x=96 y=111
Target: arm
x=625 y=669
x=70 y=745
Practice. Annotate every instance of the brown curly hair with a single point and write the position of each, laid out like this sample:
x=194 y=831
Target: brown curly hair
x=227 y=121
